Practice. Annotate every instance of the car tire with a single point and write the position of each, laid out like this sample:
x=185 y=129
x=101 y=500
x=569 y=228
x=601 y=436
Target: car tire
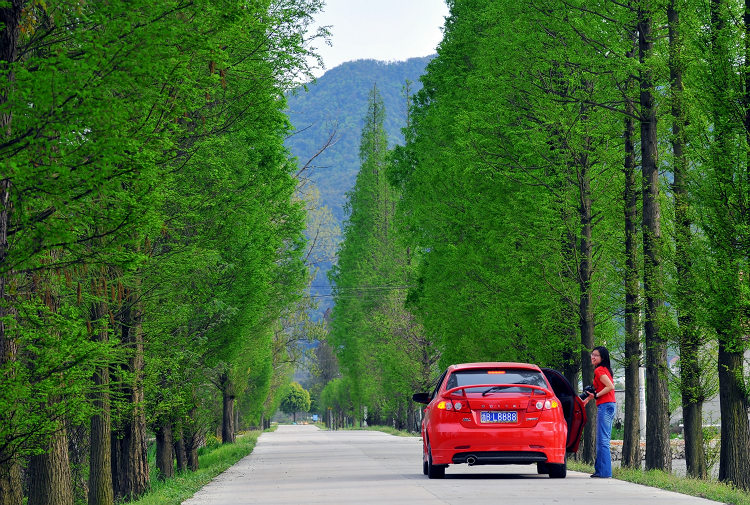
x=542 y=468
x=425 y=467
x=558 y=471
x=434 y=471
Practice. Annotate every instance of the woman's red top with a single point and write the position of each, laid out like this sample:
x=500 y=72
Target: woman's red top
x=599 y=385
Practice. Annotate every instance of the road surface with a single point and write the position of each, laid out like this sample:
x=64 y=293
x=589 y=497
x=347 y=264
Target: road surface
x=298 y=465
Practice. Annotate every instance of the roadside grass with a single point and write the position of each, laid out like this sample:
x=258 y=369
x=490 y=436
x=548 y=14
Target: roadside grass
x=211 y=461
x=386 y=429
x=709 y=489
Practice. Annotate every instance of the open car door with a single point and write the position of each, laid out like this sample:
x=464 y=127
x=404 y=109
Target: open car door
x=573 y=409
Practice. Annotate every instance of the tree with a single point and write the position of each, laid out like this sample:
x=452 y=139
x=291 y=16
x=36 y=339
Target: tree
x=378 y=342
x=689 y=337
x=297 y=399
x=723 y=197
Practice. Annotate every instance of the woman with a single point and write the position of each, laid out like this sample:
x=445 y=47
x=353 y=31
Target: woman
x=605 y=405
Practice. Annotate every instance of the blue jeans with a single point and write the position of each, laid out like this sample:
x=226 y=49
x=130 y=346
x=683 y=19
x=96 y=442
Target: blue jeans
x=605 y=414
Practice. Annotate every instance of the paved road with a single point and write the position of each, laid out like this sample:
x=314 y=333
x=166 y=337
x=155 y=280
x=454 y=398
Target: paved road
x=298 y=465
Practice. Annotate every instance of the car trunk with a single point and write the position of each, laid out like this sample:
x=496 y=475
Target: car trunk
x=506 y=410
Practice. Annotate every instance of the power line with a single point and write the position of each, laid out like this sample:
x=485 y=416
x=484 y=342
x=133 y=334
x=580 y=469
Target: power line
x=353 y=291
x=359 y=288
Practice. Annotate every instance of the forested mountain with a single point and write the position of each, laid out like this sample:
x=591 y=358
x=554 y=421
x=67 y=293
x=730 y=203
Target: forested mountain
x=335 y=104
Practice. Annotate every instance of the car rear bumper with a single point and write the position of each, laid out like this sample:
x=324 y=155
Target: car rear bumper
x=500 y=457
x=520 y=456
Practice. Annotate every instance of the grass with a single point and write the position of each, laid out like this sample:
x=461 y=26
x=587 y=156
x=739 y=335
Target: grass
x=386 y=429
x=211 y=462
x=709 y=489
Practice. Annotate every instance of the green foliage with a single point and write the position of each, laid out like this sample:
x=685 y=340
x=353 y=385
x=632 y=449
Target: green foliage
x=295 y=400
x=379 y=345
x=146 y=191
x=336 y=397
x=492 y=174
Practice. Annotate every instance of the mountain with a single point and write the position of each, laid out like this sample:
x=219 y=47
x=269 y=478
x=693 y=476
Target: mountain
x=336 y=103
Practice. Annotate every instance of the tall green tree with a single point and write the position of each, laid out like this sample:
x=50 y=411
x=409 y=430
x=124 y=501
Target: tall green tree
x=689 y=337
x=296 y=399
x=723 y=198
x=379 y=343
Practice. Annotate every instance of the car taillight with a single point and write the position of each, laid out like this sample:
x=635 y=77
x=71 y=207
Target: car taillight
x=457 y=405
x=539 y=405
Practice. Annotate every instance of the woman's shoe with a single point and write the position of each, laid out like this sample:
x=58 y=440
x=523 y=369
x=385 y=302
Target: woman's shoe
x=593 y=475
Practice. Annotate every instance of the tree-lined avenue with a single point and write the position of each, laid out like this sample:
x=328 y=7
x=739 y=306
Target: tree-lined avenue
x=303 y=464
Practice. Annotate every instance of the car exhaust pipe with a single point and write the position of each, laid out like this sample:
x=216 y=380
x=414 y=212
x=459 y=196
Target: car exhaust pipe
x=471 y=460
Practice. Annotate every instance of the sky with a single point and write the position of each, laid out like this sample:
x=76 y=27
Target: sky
x=387 y=30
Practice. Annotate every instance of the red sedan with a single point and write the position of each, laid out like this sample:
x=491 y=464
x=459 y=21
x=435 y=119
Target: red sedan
x=500 y=413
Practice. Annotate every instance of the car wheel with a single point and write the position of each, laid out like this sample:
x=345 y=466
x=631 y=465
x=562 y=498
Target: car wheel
x=558 y=471
x=542 y=468
x=434 y=471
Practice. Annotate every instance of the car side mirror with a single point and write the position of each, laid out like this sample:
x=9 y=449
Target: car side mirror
x=421 y=398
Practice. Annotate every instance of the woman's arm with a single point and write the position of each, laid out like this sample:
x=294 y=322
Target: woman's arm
x=608 y=386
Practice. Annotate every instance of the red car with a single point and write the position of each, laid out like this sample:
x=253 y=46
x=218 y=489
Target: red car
x=500 y=413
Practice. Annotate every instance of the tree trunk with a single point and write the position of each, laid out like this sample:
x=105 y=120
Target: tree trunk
x=50 y=481
x=179 y=451
x=237 y=426
x=10 y=19
x=192 y=444
x=586 y=311
x=11 y=491
x=129 y=460
x=631 y=444
x=568 y=317
x=227 y=418
x=192 y=439
x=79 y=441
x=101 y=490
x=734 y=458
x=658 y=455
x=164 y=451
x=631 y=449
x=10 y=471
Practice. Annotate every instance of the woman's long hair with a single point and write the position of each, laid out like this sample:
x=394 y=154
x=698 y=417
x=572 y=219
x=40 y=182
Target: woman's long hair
x=604 y=353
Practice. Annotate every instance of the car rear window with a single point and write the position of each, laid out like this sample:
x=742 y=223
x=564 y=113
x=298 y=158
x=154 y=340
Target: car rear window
x=494 y=376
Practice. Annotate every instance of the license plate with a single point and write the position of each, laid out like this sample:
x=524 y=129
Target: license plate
x=496 y=416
